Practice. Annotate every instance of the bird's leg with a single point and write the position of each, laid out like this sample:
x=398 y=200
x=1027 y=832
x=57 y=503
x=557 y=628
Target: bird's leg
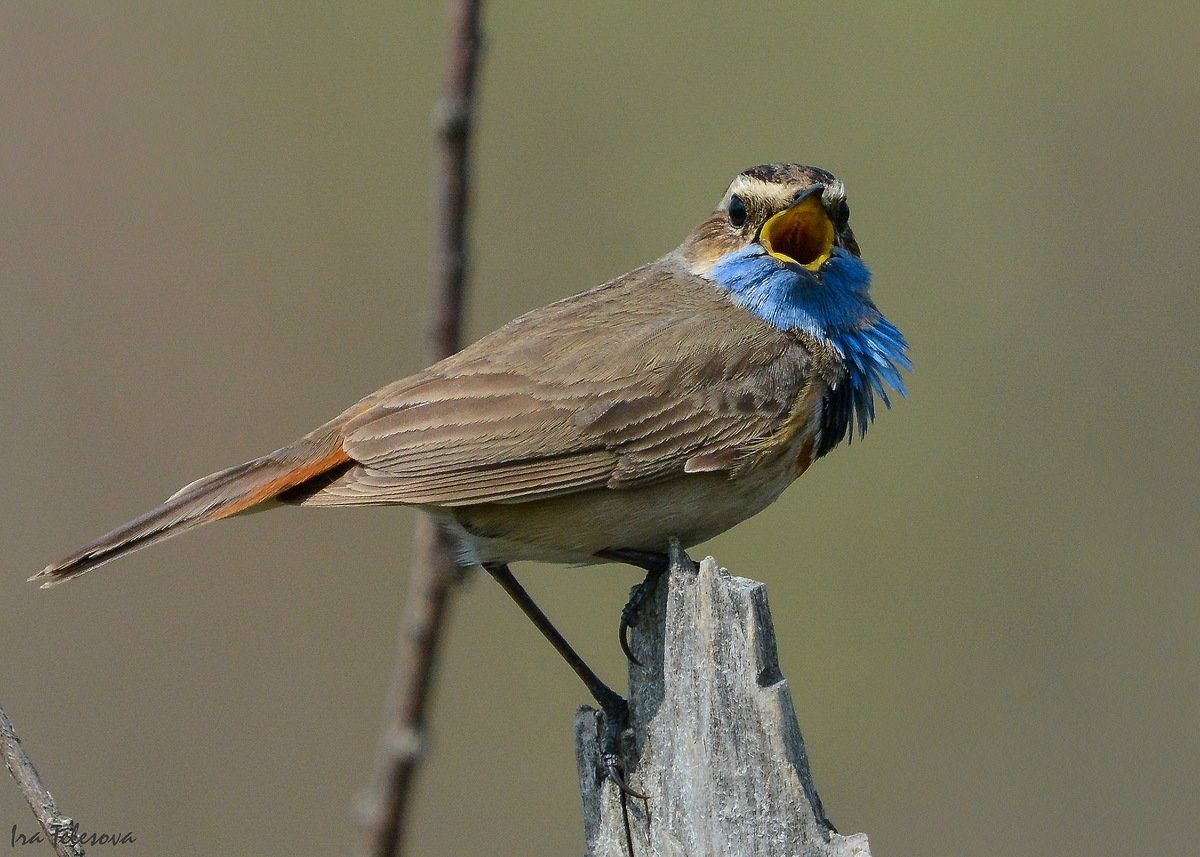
x=654 y=564
x=615 y=708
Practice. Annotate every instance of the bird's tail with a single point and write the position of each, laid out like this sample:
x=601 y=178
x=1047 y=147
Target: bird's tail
x=220 y=495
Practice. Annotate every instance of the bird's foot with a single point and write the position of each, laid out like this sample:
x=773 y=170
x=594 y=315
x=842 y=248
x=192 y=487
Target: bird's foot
x=630 y=613
x=615 y=712
x=654 y=564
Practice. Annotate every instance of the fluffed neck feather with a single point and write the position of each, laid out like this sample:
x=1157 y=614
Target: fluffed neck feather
x=834 y=307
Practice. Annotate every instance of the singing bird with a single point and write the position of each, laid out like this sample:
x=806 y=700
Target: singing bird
x=672 y=402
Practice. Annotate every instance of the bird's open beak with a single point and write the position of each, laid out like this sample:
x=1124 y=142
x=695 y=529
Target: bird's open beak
x=801 y=235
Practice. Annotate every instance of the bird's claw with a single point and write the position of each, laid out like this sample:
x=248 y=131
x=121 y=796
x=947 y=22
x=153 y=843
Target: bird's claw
x=629 y=613
x=623 y=635
x=616 y=716
x=614 y=773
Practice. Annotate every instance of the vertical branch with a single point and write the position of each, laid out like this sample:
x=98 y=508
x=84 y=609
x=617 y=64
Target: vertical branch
x=57 y=827
x=434 y=572
x=451 y=191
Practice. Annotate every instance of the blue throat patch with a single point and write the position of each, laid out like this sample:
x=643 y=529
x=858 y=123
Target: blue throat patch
x=836 y=309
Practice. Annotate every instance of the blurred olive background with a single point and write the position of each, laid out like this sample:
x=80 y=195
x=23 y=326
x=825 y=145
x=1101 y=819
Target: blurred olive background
x=214 y=236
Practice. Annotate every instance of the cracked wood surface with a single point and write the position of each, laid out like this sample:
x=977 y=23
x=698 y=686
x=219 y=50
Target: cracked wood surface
x=714 y=740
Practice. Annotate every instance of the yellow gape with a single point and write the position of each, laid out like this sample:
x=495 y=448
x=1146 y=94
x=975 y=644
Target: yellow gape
x=801 y=235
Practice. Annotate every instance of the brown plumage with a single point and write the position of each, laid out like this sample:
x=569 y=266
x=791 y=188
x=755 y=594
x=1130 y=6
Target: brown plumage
x=650 y=407
x=227 y=492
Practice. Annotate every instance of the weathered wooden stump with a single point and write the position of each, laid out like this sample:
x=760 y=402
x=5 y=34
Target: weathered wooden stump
x=714 y=739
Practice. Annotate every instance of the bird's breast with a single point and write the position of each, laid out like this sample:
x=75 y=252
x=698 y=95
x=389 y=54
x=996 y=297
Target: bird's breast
x=804 y=458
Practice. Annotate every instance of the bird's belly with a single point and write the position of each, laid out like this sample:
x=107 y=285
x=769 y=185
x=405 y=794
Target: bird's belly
x=574 y=527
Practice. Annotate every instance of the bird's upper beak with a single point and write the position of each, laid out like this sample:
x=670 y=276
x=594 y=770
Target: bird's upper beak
x=801 y=234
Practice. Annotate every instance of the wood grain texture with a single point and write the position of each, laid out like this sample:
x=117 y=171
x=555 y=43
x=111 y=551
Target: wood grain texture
x=59 y=830
x=714 y=741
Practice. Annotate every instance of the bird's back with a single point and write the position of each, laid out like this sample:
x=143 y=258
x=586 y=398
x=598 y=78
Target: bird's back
x=650 y=377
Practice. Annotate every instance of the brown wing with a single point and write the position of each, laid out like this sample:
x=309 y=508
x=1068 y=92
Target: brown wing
x=617 y=387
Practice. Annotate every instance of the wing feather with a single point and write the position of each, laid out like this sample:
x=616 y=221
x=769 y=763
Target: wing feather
x=618 y=387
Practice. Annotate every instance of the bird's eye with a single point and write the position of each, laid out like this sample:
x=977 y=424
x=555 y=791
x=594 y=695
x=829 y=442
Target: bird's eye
x=737 y=211
x=841 y=215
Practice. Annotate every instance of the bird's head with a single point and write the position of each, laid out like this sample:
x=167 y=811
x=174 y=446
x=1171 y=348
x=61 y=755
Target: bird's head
x=780 y=245
x=793 y=214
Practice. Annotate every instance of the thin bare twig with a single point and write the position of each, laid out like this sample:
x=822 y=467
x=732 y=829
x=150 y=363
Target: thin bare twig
x=57 y=827
x=434 y=573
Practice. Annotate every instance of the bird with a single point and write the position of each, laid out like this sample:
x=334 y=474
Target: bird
x=672 y=402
